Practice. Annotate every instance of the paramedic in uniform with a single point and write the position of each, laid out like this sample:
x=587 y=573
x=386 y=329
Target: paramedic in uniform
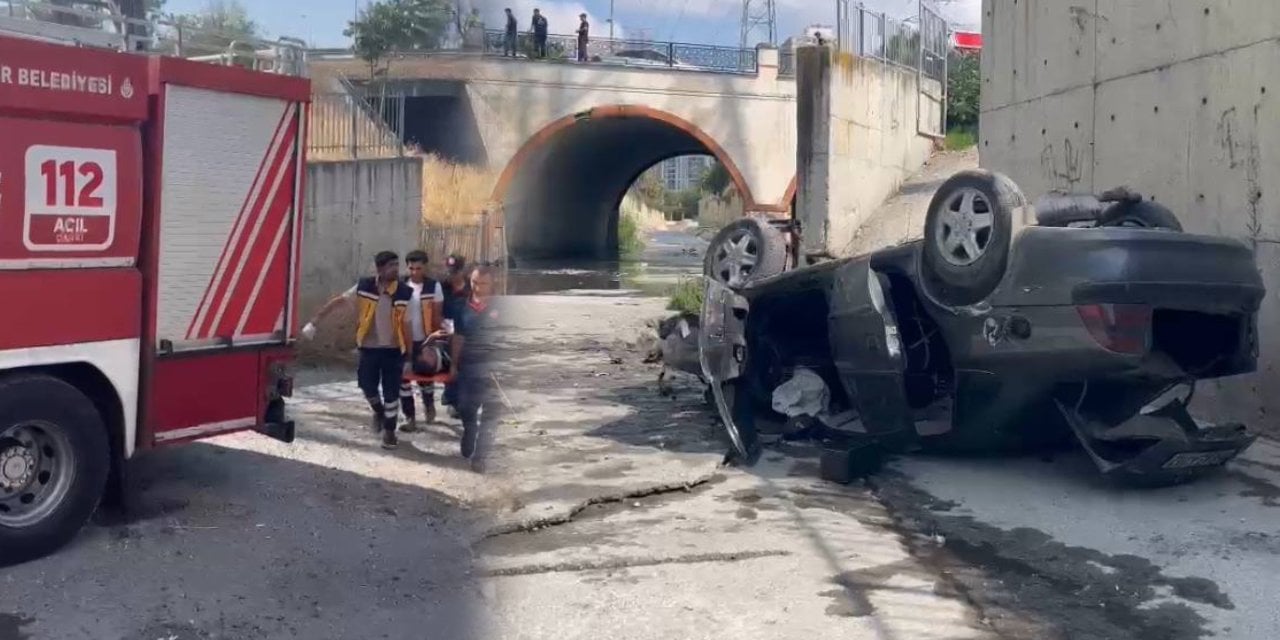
x=426 y=309
x=382 y=337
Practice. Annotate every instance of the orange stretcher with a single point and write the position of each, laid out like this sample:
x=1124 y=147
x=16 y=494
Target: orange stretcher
x=442 y=378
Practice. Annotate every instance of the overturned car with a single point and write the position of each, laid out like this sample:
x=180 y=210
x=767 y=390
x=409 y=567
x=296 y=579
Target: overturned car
x=1005 y=326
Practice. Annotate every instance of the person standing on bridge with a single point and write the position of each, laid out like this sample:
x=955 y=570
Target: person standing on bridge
x=584 y=36
x=509 y=38
x=539 y=34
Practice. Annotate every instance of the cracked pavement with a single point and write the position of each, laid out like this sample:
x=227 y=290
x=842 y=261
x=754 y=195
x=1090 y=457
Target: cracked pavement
x=622 y=516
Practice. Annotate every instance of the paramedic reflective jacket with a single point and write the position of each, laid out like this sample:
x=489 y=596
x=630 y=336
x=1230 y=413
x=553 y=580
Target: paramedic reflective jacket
x=368 y=295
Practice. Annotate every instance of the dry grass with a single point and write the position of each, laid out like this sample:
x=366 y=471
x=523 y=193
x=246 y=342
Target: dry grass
x=454 y=194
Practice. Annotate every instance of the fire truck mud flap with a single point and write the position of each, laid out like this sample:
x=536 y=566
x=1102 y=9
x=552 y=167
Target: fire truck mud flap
x=1158 y=447
x=722 y=352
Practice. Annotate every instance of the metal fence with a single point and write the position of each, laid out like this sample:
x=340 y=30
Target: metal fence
x=787 y=62
x=356 y=124
x=482 y=242
x=872 y=34
x=101 y=24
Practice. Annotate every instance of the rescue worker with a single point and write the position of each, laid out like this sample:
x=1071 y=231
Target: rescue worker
x=382 y=337
x=426 y=310
x=539 y=34
x=509 y=38
x=584 y=36
x=473 y=358
x=457 y=291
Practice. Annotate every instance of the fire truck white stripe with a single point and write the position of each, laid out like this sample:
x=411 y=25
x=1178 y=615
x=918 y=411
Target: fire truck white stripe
x=279 y=172
x=266 y=268
x=116 y=359
x=206 y=429
x=65 y=263
x=242 y=220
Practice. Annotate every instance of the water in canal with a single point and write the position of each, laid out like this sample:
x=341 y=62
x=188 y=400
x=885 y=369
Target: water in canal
x=669 y=255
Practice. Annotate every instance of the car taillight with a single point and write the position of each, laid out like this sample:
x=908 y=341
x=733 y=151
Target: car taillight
x=1122 y=328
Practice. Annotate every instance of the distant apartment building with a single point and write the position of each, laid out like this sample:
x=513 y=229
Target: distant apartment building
x=684 y=172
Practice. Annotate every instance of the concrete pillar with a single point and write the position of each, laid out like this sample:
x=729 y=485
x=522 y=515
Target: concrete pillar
x=857 y=141
x=813 y=148
x=767 y=62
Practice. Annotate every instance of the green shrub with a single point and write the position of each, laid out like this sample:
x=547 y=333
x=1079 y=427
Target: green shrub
x=687 y=296
x=630 y=237
x=958 y=139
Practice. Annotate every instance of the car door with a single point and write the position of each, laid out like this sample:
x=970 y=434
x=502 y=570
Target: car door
x=867 y=349
x=722 y=351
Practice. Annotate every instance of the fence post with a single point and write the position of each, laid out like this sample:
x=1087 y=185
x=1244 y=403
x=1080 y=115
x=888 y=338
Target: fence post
x=355 y=143
x=400 y=141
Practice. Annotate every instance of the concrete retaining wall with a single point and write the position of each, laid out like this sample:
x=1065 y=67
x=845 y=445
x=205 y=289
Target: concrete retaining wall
x=857 y=141
x=353 y=210
x=1175 y=99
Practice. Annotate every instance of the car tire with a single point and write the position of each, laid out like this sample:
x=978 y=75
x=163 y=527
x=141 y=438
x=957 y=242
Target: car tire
x=1144 y=214
x=56 y=433
x=747 y=240
x=967 y=235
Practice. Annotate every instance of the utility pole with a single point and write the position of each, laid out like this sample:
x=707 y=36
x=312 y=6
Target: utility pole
x=757 y=14
x=610 y=20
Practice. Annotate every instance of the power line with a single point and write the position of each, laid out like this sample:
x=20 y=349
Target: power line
x=759 y=15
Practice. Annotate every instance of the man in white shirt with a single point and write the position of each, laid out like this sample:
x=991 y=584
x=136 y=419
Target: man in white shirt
x=426 y=308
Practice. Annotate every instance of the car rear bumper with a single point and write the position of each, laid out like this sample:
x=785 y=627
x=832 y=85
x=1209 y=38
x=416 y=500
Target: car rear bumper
x=1158 y=447
x=1061 y=266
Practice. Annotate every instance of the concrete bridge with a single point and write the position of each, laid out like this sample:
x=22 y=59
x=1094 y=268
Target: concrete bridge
x=570 y=138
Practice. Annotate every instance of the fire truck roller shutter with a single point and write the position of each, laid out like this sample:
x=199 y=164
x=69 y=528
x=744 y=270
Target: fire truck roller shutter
x=226 y=215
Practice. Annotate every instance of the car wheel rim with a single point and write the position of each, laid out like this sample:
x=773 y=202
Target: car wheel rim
x=964 y=227
x=736 y=257
x=37 y=467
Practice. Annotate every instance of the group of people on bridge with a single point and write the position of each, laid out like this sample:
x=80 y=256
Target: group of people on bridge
x=538 y=30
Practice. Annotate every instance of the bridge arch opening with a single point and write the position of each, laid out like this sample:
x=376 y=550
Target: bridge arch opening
x=561 y=192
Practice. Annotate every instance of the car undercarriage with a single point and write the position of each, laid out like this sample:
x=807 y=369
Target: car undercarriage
x=1011 y=336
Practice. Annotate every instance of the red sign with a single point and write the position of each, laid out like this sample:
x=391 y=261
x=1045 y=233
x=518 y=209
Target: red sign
x=967 y=39
x=69 y=191
x=41 y=78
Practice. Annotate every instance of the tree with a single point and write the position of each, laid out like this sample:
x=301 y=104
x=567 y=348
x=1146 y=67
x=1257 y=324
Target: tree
x=213 y=30
x=964 y=84
x=651 y=189
x=716 y=179
x=387 y=26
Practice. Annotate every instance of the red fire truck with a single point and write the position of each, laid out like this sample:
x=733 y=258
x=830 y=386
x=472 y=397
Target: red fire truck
x=149 y=256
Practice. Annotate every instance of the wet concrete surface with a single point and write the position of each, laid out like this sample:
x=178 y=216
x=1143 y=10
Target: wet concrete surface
x=1096 y=560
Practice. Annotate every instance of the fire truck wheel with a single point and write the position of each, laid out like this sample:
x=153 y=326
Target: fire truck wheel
x=54 y=459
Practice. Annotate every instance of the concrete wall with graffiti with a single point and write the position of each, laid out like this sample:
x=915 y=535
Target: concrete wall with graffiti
x=1177 y=100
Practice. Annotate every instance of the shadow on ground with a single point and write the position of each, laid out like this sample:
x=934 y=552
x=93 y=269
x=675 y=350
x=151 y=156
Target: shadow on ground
x=228 y=544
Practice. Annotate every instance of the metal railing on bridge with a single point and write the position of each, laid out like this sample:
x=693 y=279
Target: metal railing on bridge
x=682 y=56
x=638 y=53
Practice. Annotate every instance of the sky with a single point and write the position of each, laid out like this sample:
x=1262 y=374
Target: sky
x=321 y=22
